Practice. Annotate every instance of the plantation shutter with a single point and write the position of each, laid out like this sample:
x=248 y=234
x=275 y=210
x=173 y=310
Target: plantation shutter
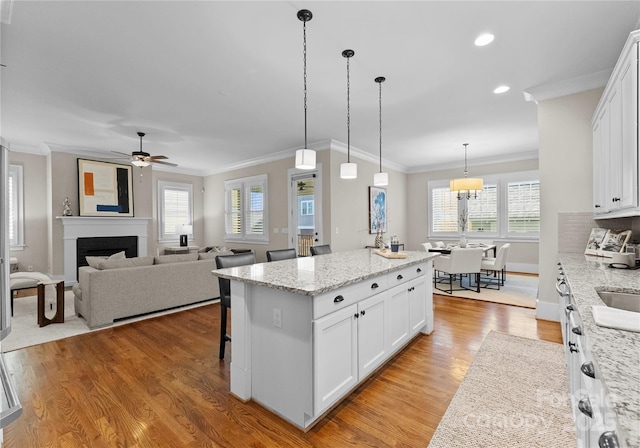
x=483 y=210
x=246 y=209
x=445 y=210
x=255 y=210
x=13 y=203
x=524 y=207
x=175 y=203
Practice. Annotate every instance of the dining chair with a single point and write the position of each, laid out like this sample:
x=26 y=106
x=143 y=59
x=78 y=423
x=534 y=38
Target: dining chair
x=281 y=254
x=228 y=261
x=496 y=266
x=427 y=246
x=320 y=250
x=462 y=262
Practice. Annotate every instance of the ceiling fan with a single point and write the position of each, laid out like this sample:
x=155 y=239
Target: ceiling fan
x=142 y=159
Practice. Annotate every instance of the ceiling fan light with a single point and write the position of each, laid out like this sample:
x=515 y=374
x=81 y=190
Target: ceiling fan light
x=348 y=170
x=305 y=159
x=140 y=163
x=381 y=179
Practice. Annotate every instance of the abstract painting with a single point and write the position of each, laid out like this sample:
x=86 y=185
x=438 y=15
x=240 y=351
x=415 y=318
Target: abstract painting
x=104 y=189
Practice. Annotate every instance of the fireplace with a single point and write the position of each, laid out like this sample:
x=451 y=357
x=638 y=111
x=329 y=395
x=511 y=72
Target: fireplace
x=103 y=246
x=78 y=228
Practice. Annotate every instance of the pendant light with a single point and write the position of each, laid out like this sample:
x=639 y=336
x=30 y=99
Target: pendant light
x=348 y=170
x=466 y=186
x=380 y=179
x=305 y=158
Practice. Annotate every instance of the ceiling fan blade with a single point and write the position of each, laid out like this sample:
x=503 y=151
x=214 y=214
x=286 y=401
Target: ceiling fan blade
x=157 y=157
x=122 y=153
x=163 y=163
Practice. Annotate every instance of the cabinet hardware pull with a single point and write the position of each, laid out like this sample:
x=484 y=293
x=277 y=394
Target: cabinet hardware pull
x=362 y=312
x=418 y=270
x=608 y=439
x=585 y=407
x=587 y=369
x=399 y=277
x=572 y=347
x=374 y=286
x=338 y=299
x=356 y=315
x=577 y=330
x=615 y=199
x=597 y=205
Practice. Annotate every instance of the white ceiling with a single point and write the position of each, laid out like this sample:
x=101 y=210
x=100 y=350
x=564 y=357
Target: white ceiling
x=217 y=83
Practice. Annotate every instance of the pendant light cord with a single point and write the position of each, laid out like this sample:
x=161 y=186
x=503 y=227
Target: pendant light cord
x=304 y=58
x=380 y=120
x=348 y=115
x=465 y=159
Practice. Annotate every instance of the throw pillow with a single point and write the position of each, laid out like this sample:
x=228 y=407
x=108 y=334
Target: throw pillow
x=125 y=262
x=215 y=249
x=178 y=258
x=207 y=256
x=117 y=256
x=93 y=261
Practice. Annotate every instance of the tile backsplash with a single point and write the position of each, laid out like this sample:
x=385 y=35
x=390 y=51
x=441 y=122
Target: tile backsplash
x=574 y=229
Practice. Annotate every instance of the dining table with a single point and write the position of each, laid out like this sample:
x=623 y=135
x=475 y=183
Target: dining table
x=449 y=247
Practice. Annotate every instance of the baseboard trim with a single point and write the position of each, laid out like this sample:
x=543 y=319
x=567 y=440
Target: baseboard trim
x=547 y=311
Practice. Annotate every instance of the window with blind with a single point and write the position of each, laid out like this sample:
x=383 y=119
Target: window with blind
x=16 y=207
x=507 y=207
x=523 y=205
x=175 y=209
x=246 y=209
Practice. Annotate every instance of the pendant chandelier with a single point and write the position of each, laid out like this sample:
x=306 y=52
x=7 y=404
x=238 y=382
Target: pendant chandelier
x=466 y=186
x=380 y=179
x=305 y=158
x=348 y=170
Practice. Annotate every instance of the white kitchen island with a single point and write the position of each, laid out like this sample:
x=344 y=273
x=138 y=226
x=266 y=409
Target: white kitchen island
x=307 y=331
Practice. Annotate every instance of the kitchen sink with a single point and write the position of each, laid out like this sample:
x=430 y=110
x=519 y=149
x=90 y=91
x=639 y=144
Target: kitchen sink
x=621 y=300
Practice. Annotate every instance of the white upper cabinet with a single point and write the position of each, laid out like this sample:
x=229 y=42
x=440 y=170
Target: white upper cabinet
x=616 y=162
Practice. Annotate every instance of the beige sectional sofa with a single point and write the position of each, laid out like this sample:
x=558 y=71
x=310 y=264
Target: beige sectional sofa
x=120 y=288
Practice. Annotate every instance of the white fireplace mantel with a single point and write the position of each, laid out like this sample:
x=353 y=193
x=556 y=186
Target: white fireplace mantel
x=75 y=227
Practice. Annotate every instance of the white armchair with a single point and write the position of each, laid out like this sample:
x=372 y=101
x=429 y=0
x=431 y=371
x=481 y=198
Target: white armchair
x=426 y=246
x=458 y=262
x=496 y=266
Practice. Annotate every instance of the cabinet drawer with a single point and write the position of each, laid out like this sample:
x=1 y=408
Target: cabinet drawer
x=337 y=299
x=405 y=274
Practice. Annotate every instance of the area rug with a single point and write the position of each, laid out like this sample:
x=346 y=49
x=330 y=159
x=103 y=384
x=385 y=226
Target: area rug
x=515 y=394
x=518 y=290
x=25 y=331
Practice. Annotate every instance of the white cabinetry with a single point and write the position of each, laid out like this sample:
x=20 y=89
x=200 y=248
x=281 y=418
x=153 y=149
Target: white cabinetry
x=616 y=162
x=352 y=341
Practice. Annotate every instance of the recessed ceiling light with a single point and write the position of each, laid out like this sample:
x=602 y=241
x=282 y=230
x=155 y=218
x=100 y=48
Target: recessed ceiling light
x=501 y=89
x=484 y=39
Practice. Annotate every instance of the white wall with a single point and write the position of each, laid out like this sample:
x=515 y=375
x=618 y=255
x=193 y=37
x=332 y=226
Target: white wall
x=566 y=180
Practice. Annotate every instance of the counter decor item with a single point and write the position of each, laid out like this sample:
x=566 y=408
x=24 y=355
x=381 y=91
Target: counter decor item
x=395 y=243
x=607 y=242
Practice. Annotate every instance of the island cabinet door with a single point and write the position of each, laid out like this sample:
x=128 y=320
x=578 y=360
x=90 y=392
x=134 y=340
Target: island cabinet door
x=335 y=358
x=398 y=316
x=372 y=346
x=417 y=304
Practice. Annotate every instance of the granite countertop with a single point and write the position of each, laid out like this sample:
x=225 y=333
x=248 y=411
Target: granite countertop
x=312 y=276
x=616 y=353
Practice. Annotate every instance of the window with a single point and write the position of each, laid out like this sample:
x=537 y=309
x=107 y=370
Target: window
x=16 y=208
x=507 y=207
x=523 y=206
x=246 y=209
x=175 y=209
x=306 y=208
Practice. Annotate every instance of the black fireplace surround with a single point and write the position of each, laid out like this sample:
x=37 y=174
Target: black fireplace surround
x=103 y=246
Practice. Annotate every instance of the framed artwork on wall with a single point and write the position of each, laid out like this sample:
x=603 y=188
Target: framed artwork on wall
x=104 y=189
x=377 y=210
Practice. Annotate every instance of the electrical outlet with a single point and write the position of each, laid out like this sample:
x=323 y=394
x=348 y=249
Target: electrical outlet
x=30 y=268
x=277 y=318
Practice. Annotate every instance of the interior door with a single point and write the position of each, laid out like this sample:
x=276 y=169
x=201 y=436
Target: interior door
x=305 y=223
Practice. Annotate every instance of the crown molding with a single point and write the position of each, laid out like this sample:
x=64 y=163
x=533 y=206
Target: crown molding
x=568 y=86
x=516 y=157
x=337 y=145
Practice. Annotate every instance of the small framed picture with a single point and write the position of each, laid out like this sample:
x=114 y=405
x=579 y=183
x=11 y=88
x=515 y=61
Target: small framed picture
x=377 y=210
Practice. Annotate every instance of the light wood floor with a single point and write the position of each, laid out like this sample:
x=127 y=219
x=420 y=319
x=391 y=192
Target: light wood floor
x=158 y=383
